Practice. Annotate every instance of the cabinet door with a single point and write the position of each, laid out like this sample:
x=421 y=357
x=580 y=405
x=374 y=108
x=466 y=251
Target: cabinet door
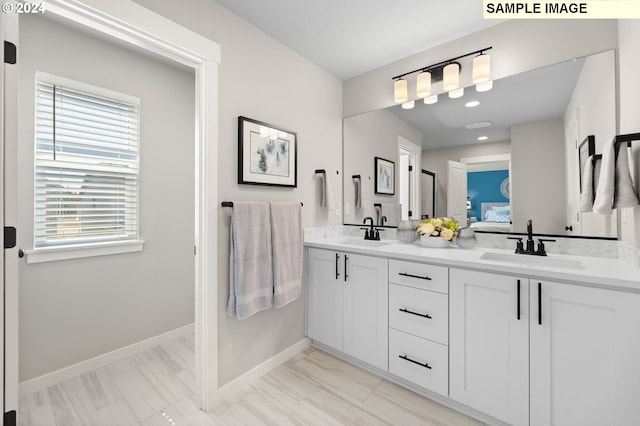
x=366 y=309
x=325 y=298
x=584 y=356
x=489 y=344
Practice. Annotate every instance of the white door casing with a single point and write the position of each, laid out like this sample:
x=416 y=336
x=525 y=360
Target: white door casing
x=134 y=24
x=457 y=192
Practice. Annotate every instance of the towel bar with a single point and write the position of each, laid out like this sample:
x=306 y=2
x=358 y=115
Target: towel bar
x=230 y=204
x=320 y=171
x=627 y=138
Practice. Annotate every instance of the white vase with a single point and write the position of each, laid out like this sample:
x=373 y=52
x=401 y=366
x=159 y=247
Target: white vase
x=433 y=242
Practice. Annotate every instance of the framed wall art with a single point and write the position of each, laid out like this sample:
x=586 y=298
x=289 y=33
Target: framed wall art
x=385 y=173
x=267 y=154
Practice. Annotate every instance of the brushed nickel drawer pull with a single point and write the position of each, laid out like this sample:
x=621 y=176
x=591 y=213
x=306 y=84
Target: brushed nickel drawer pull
x=406 y=358
x=415 y=313
x=404 y=274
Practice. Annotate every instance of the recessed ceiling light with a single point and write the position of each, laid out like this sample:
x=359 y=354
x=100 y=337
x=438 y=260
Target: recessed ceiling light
x=483 y=138
x=472 y=104
x=479 y=125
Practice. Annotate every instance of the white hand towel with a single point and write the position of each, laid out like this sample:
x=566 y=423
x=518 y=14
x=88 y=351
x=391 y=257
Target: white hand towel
x=586 y=195
x=603 y=202
x=366 y=192
x=250 y=260
x=625 y=194
x=332 y=191
x=615 y=187
x=357 y=182
x=323 y=190
x=286 y=236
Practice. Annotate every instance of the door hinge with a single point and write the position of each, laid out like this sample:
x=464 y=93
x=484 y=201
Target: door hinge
x=10 y=418
x=10 y=53
x=410 y=168
x=410 y=213
x=10 y=236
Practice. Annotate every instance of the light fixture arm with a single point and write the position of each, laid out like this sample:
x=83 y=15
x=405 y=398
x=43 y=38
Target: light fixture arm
x=440 y=64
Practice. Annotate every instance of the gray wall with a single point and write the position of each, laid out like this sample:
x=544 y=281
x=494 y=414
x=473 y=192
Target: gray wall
x=74 y=310
x=538 y=190
x=369 y=135
x=629 y=86
x=435 y=160
x=264 y=80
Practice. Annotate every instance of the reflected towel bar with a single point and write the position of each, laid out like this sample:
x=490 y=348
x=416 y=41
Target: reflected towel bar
x=627 y=138
x=230 y=204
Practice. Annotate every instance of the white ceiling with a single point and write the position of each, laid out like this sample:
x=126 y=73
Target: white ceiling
x=350 y=37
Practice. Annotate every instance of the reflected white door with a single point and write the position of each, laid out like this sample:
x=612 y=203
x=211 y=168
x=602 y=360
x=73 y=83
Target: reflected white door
x=571 y=159
x=457 y=192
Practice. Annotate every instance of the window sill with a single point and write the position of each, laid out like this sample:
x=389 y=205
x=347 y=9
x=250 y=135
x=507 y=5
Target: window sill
x=79 y=251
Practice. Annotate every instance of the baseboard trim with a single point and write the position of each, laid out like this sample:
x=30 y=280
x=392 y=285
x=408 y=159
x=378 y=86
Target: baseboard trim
x=58 y=376
x=260 y=370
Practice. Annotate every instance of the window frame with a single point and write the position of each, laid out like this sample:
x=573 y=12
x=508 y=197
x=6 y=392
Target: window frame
x=100 y=246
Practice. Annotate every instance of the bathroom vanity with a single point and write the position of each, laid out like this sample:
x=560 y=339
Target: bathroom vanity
x=506 y=338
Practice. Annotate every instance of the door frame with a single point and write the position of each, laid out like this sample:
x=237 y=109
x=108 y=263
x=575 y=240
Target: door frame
x=136 y=25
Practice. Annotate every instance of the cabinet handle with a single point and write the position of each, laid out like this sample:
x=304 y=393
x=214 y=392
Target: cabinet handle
x=518 y=300
x=345 y=267
x=337 y=272
x=539 y=303
x=406 y=358
x=415 y=313
x=404 y=274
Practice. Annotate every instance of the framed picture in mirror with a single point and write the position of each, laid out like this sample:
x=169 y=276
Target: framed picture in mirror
x=586 y=149
x=267 y=155
x=385 y=175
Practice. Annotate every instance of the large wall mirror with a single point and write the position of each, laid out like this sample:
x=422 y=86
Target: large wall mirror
x=517 y=148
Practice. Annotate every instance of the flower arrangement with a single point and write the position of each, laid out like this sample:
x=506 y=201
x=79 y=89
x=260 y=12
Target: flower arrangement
x=443 y=227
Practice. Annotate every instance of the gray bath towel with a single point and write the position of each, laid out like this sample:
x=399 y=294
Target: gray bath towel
x=286 y=236
x=250 y=260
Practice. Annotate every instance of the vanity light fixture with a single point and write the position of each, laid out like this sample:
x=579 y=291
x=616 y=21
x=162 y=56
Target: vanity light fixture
x=423 y=84
x=408 y=104
x=456 y=93
x=449 y=73
x=400 y=94
x=484 y=87
x=431 y=99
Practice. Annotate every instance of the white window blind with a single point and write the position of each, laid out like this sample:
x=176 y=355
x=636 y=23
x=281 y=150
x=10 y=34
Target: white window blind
x=86 y=164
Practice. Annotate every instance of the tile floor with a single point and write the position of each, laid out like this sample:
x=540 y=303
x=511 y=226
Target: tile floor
x=156 y=388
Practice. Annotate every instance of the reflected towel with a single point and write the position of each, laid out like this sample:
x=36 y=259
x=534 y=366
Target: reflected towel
x=615 y=187
x=250 y=260
x=358 y=190
x=586 y=196
x=286 y=236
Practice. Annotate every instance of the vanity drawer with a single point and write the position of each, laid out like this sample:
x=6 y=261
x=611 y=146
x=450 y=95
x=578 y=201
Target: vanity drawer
x=419 y=275
x=419 y=312
x=419 y=361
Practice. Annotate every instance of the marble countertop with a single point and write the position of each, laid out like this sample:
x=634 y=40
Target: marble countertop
x=581 y=270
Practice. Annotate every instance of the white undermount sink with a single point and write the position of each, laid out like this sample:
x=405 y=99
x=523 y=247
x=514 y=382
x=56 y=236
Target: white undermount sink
x=365 y=243
x=531 y=260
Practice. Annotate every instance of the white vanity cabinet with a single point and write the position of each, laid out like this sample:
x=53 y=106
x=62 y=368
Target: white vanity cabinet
x=584 y=355
x=548 y=354
x=419 y=324
x=489 y=343
x=348 y=302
